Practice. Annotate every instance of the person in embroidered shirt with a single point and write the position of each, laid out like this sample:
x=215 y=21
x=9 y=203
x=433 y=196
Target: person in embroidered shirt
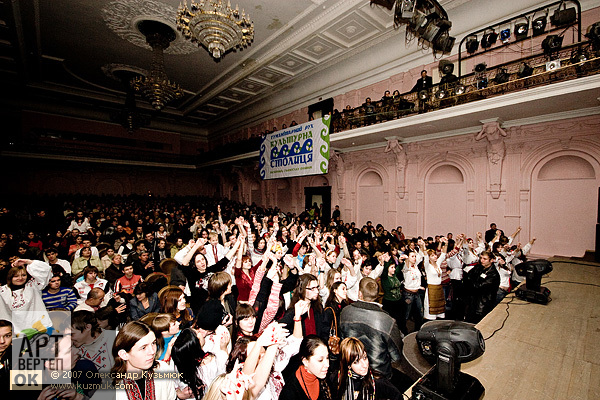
x=135 y=366
x=129 y=281
x=93 y=343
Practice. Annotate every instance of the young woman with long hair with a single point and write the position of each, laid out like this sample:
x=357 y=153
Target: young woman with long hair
x=133 y=351
x=172 y=301
x=197 y=368
x=309 y=381
x=313 y=321
x=353 y=379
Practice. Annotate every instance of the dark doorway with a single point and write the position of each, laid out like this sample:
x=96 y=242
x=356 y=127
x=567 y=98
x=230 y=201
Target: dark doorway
x=319 y=195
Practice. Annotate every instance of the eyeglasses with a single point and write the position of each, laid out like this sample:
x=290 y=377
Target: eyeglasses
x=312 y=288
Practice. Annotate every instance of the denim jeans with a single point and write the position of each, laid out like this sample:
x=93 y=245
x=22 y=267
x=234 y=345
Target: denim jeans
x=414 y=307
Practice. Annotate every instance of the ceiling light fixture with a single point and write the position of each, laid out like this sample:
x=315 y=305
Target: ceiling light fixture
x=215 y=25
x=156 y=87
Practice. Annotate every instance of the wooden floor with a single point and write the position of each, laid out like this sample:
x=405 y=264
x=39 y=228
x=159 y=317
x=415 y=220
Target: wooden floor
x=545 y=351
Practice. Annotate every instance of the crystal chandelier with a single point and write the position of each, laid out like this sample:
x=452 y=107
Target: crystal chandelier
x=215 y=25
x=156 y=86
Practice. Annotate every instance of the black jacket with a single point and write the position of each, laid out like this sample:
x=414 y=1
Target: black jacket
x=422 y=84
x=378 y=332
x=292 y=390
x=483 y=284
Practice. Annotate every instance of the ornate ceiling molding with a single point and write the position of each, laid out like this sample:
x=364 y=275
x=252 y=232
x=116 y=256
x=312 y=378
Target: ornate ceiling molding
x=123 y=16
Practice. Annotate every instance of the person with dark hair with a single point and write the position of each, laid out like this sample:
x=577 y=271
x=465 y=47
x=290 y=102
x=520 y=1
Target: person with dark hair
x=6 y=335
x=21 y=298
x=482 y=283
x=194 y=267
x=93 y=343
x=133 y=352
x=172 y=301
x=197 y=368
x=86 y=260
x=353 y=379
x=58 y=298
x=423 y=83
x=309 y=381
x=51 y=257
x=145 y=301
x=90 y=280
x=129 y=281
x=366 y=321
x=313 y=321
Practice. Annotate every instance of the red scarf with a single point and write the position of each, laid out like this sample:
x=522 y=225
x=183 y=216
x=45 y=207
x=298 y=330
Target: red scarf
x=309 y=382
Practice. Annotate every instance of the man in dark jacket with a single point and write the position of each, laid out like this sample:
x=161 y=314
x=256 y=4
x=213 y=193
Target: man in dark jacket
x=482 y=282
x=365 y=320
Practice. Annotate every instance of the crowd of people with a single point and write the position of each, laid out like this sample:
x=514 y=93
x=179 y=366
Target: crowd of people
x=239 y=301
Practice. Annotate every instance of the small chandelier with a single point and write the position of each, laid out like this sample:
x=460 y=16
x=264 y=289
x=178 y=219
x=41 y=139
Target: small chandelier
x=215 y=25
x=156 y=86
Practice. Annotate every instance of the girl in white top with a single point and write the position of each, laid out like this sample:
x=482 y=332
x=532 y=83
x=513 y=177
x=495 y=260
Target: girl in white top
x=21 y=299
x=433 y=269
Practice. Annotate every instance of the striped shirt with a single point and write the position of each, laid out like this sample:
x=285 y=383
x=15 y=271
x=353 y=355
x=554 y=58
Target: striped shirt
x=65 y=298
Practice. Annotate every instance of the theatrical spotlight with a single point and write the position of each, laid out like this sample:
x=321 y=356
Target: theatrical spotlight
x=446 y=67
x=521 y=30
x=564 y=16
x=533 y=271
x=482 y=80
x=502 y=76
x=404 y=12
x=448 y=344
x=480 y=68
x=472 y=44
x=444 y=43
x=538 y=26
x=578 y=56
x=441 y=93
x=593 y=33
x=552 y=44
x=505 y=35
x=525 y=70
x=488 y=39
x=423 y=95
x=460 y=89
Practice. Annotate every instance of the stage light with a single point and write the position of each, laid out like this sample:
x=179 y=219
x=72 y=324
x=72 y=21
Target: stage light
x=448 y=344
x=505 y=35
x=502 y=76
x=460 y=89
x=482 y=82
x=472 y=44
x=405 y=10
x=566 y=16
x=552 y=65
x=441 y=93
x=538 y=26
x=444 y=43
x=552 y=44
x=525 y=70
x=578 y=56
x=593 y=33
x=488 y=39
x=480 y=68
x=533 y=271
x=446 y=67
x=521 y=30
x=423 y=95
